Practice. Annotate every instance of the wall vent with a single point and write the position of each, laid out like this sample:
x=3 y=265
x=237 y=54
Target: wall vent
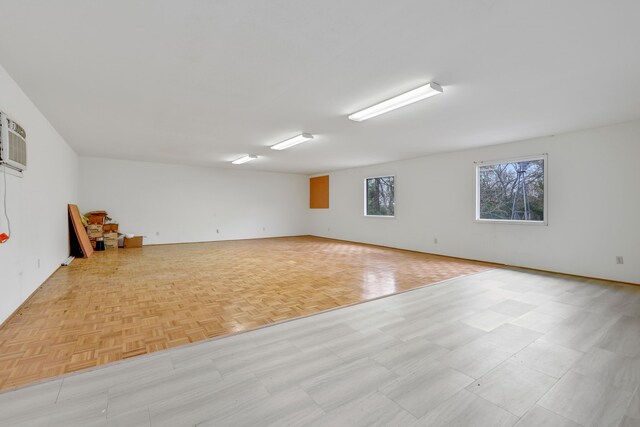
x=13 y=144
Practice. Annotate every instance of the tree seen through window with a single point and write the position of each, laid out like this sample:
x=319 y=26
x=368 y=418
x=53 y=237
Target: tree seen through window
x=380 y=194
x=512 y=191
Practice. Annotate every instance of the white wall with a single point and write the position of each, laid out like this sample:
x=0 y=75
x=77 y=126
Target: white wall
x=37 y=203
x=594 y=206
x=189 y=203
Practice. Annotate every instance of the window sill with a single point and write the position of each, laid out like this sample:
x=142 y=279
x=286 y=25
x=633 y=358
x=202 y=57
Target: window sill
x=509 y=221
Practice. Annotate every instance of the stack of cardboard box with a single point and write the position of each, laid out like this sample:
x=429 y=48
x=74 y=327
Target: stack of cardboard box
x=99 y=225
x=96 y=227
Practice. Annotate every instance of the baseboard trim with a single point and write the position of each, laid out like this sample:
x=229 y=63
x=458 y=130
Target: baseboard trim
x=486 y=262
x=413 y=250
x=226 y=240
x=577 y=276
x=17 y=310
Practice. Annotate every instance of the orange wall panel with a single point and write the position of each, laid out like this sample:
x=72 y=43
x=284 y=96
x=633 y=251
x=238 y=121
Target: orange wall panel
x=319 y=192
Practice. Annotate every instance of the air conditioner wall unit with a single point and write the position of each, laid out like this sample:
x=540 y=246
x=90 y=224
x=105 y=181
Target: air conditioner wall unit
x=13 y=144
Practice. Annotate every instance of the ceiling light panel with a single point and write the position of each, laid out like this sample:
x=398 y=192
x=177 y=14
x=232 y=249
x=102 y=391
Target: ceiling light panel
x=244 y=159
x=415 y=95
x=298 y=139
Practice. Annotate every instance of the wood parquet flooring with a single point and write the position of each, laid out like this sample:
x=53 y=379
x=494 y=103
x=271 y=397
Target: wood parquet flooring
x=127 y=302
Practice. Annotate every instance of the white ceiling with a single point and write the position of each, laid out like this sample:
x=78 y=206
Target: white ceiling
x=205 y=82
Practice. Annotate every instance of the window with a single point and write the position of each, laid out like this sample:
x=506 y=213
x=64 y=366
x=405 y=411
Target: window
x=379 y=196
x=512 y=191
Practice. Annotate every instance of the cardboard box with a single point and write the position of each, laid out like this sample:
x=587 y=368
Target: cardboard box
x=95 y=228
x=111 y=240
x=108 y=228
x=95 y=219
x=94 y=231
x=133 y=242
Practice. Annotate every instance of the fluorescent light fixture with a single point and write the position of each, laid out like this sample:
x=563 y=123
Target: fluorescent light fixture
x=303 y=137
x=415 y=95
x=244 y=159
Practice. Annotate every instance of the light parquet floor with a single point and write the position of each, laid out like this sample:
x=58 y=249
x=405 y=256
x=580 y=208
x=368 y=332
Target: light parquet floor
x=127 y=302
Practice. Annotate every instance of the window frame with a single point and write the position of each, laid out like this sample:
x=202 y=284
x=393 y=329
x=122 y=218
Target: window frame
x=395 y=181
x=545 y=198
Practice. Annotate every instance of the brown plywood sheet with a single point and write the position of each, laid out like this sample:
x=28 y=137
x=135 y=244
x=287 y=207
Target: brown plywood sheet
x=80 y=232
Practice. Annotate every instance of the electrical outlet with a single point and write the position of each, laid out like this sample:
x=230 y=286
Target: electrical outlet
x=619 y=260
x=38 y=262
x=157 y=233
x=435 y=241
x=328 y=228
x=264 y=228
x=217 y=231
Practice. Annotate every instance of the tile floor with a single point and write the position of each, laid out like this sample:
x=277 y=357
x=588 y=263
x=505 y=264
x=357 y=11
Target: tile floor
x=500 y=348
